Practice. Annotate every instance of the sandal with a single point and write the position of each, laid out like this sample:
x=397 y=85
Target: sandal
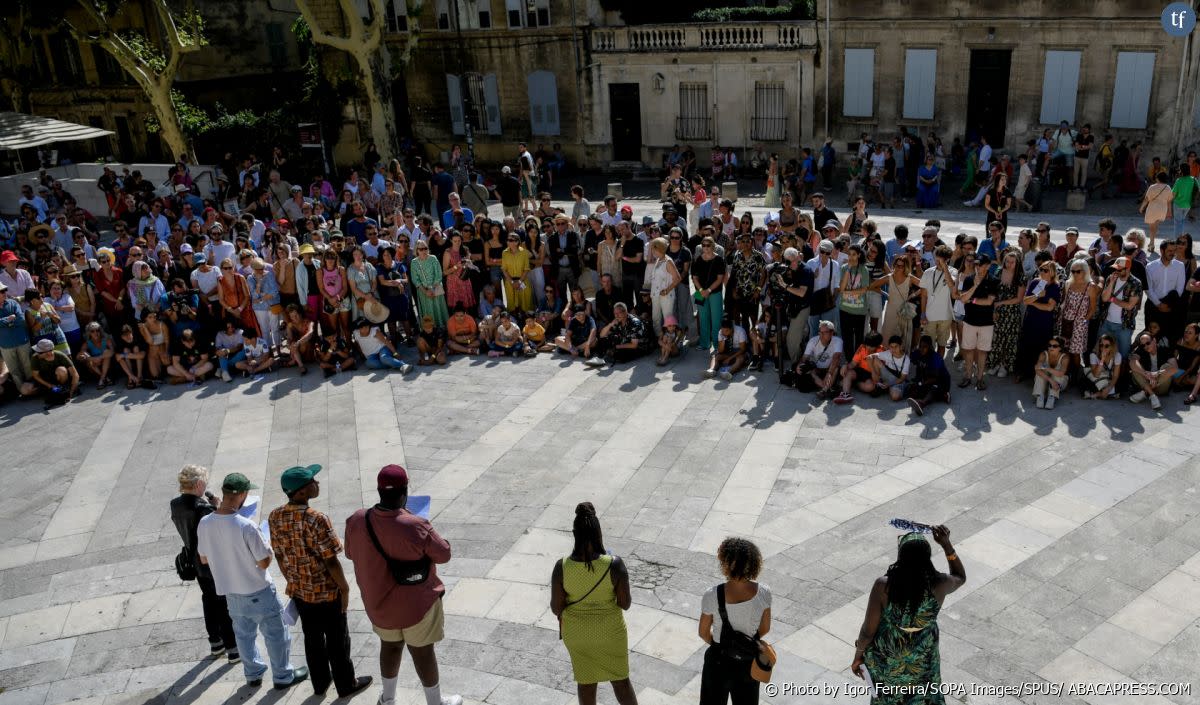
x=103 y=383
x=129 y=384
x=1191 y=398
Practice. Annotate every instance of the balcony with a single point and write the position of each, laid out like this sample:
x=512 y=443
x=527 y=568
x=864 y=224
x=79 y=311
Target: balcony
x=730 y=36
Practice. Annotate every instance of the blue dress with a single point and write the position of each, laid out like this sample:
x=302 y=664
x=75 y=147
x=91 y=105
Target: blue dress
x=928 y=195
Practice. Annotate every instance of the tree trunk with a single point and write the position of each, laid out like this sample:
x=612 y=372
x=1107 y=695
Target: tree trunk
x=17 y=95
x=375 y=66
x=168 y=121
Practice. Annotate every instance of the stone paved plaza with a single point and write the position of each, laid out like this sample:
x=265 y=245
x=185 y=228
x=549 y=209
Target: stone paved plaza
x=1079 y=528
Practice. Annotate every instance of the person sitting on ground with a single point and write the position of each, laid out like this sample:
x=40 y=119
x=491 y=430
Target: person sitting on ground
x=462 y=332
x=930 y=377
x=54 y=372
x=890 y=368
x=96 y=354
x=535 y=337
x=431 y=342
x=1104 y=369
x=379 y=352
x=227 y=346
x=626 y=338
x=668 y=342
x=730 y=356
x=299 y=333
x=821 y=362
x=258 y=357
x=1050 y=373
x=190 y=360
x=507 y=340
x=334 y=354
x=579 y=338
x=764 y=340
x=858 y=371
x=130 y=356
x=1152 y=370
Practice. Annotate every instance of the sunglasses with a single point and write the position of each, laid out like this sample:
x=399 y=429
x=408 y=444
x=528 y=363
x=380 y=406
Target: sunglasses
x=1053 y=346
x=226 y=267
x=676 y=237
x=1105 y=345
x=403 y=240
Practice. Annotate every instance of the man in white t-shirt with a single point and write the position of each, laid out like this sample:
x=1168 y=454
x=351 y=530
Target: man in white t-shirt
x=238 y=556
x=218 y=249
x=985 y=156
x=821 y=361
x=937 y=298
x=732 y=348
x=889 y=368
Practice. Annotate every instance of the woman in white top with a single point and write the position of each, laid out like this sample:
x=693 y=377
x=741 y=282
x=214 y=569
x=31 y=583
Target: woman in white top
x=748 y=605
x=662 y=278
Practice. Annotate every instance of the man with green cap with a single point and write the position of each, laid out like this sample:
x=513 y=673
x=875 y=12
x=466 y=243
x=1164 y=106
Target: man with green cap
x=238 y=556
x=307 y=548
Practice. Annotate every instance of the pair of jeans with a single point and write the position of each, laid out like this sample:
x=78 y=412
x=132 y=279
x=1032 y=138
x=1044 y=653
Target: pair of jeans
x=326 y=645
x=229 y=361
x=384 y=359
x=216 y=614
x=260 y=611
x=1123 y=336
x=1179 y=215
x=710 y=320
x=268 y=325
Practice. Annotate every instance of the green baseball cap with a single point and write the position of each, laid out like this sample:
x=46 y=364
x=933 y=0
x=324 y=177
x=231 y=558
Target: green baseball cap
x=237 y=482
x=296 y=477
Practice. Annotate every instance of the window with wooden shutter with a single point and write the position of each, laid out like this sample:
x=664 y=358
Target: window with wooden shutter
x=543 y=103
x=1131 y=89
x=491 y=101
x=693 y=122
x=858 y=83
x=1060 y=87
x=769 y=122
x=920 y=74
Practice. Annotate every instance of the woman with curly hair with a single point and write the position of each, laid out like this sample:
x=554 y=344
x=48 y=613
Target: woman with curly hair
x=1002 y=358
x=589 y=590
x=898 y=642
x=729 y=614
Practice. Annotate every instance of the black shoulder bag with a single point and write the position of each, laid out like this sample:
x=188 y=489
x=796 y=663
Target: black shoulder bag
x=403 y=572
x=184 y=567
x=735 y=646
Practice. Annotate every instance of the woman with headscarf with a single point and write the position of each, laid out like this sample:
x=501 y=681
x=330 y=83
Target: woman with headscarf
x=898 y=642
x=144 y=289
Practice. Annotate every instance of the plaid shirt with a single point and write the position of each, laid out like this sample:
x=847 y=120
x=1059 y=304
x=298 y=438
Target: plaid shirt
x=303 y=539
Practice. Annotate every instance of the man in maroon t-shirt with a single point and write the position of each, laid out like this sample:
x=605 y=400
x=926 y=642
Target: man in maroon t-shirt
x=411 y=612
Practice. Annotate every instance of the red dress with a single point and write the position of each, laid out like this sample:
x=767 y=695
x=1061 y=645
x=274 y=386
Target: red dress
x=114 y=287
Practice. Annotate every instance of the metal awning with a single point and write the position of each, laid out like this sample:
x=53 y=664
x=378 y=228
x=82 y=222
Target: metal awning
x=19 y=131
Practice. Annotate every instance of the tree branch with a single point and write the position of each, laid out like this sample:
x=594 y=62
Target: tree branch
x=320 y=36
x=375 y=37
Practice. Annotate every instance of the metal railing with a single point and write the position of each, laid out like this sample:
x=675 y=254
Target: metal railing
x=768 y=129
x=730 y=36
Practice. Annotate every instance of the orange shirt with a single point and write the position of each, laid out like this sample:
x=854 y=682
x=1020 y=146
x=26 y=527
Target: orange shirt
x=859 y=361
x=458 y=328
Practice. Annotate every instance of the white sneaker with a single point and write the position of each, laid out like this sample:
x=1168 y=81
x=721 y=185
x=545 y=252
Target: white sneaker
x=1040 y=401
x=595 y=361
x=1050 y=402
x=727 y=375
x=406 y=369
x=452 y=700
x=1154 y=402
x=225 y=377
x=1137 y=398
x=709 y=374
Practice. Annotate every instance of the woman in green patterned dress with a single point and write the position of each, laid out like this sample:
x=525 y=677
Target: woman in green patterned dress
x=426 y=275
x=1010 y=299
x=898 y=642
x=588 y=592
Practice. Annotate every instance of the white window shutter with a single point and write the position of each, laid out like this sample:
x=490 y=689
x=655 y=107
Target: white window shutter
x=920 y=73
x=364 y=9
x=1131 y=89
x=1060 y=87
x=491 y=98
x=858 y=85
x=454 y=96
x=515 y=12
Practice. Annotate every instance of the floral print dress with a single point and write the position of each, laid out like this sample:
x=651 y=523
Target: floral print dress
x=905 y=653
x=1008 y=326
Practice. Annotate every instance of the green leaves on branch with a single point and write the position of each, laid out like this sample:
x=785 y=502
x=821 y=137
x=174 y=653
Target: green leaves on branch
x=192 y=118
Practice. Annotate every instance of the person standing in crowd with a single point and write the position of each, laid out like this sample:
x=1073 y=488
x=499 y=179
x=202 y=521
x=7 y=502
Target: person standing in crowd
x=822 y=298
x=1121 y=295
x=589 y=589
x=14 y=343
x=389 y=544
x=977 y=291
x=733 y=617
x=307 y=547
x=937 y=298
x=898 y=643
x=238 y=556
x=193 y=504
x=1010 y=291
x=1042 y=297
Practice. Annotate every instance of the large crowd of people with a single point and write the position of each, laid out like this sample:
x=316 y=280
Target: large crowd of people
x=186 y=290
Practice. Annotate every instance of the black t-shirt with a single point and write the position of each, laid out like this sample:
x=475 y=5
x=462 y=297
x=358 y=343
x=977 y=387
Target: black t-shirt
x=708 y=271
x=632 y=248
x=799 y=277
x=509 y=190
x=433 y=338
x=979 y=314
x=189 y=357
x=683 y=256
x=823 y=216
x=1089 y=140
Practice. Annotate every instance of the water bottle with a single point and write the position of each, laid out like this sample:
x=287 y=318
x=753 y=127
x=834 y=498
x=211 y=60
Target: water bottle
x=338 y=366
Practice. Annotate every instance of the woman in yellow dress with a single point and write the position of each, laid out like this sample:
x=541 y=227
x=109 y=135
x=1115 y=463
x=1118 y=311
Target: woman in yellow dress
x=514 y=264
x=588 y=592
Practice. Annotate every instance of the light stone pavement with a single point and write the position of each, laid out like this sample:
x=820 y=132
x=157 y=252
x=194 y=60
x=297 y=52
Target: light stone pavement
x=1078 y=527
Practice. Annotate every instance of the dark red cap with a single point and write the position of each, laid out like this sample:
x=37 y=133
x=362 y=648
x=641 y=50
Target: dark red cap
x=392 y=477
